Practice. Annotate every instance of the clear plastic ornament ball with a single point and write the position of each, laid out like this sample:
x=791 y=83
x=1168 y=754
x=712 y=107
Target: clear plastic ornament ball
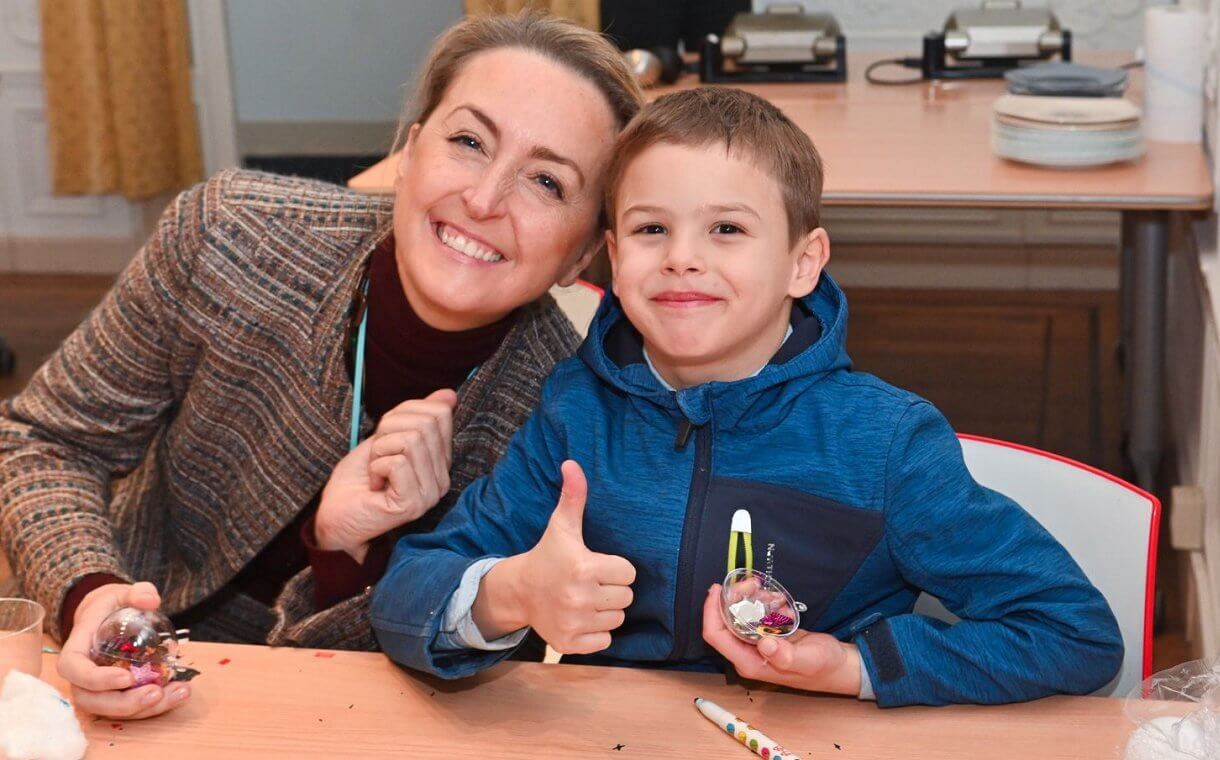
x=142 y=642
x=755 y=605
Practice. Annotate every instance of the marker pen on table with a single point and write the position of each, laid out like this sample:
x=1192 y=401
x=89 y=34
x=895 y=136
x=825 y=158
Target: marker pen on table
x=753 y=739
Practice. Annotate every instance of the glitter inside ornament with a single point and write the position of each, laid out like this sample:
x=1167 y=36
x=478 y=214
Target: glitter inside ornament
x=144 y=643
x=754 y=605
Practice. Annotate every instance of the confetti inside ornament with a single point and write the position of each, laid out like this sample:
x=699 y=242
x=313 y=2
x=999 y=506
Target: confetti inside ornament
x=755 y=605
x=775 y=620
x=145 y=643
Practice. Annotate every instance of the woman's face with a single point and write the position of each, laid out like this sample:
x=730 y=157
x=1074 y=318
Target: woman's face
x=497 y=194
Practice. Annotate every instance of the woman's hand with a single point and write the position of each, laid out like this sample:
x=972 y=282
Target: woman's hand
x=105 y=691
x=571 y=596
x=392 y=478
x=810 y=661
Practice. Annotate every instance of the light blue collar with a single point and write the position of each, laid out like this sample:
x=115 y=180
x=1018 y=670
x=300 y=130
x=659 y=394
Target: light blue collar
x=652 y=368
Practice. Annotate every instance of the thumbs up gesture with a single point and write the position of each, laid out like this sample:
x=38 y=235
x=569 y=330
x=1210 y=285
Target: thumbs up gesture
x=571 y=596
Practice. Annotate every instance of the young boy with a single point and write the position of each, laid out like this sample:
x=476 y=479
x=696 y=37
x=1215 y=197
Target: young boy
x=715 y=379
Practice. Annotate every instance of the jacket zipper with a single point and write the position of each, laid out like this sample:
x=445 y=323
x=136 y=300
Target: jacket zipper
x=690 y=528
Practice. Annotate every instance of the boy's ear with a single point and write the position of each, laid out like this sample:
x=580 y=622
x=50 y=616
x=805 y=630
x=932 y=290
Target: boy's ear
x=404 y=157
x=572 y=273
x=612 y=252
x=812 y=254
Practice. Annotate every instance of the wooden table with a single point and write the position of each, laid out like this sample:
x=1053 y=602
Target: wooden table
x=929 y=145
x=303 y=703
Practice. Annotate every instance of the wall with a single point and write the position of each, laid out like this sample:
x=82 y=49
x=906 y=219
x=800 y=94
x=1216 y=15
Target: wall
x=318 y=77
x=899 y=25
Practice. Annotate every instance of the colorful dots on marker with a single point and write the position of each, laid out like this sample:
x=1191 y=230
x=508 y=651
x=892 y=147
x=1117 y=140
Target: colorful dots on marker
x=730 y=728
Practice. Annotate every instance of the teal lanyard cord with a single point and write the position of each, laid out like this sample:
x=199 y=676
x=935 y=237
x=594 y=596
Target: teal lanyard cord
x=353 y=437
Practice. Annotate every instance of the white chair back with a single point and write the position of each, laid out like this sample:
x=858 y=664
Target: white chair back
x=1108 y=526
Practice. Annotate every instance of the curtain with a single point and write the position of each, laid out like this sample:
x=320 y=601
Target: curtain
x=120 y=117
x=587 y=13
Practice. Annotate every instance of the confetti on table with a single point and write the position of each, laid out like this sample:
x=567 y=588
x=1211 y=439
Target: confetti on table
x=619 y=747
x=327 y=655
x=225 y=661
x=184 y=674
x=838 y=747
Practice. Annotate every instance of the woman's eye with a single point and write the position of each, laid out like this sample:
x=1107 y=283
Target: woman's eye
x=467 y=141
x=650 y=229
x=724 y=228
x=551 y=184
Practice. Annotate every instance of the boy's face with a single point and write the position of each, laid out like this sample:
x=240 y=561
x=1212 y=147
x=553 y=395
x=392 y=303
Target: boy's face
x=702 y=261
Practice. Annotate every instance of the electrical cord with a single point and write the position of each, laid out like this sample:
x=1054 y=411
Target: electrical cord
x=909 y=63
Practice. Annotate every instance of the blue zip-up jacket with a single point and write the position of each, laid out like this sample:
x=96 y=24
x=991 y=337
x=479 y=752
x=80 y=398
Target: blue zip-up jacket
x=859 y=498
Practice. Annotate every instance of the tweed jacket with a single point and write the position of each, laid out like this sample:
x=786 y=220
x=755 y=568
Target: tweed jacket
x=206 y=400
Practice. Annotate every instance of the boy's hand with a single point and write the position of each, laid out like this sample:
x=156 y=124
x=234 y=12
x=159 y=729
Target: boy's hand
x=811 y=661
x=571 y=596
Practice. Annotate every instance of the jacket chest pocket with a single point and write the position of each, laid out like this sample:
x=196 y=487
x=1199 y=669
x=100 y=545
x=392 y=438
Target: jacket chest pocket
x=813 y=546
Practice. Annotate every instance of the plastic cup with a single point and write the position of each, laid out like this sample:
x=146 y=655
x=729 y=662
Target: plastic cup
x=20 y=637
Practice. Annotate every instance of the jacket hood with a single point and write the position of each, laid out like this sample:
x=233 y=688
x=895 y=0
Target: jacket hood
x=613 y=350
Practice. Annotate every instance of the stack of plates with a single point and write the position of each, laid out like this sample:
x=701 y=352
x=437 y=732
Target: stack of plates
x=1066 y=132
x=1066 y=80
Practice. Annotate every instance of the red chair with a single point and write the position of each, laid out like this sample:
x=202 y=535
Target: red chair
x=579 y=301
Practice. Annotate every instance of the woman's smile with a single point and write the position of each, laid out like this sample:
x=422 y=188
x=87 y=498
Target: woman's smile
x=463 y=246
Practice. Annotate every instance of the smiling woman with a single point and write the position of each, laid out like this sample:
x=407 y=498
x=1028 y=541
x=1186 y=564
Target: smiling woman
x=273 y=378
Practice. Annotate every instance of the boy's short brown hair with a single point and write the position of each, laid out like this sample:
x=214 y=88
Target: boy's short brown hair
x=743 y=123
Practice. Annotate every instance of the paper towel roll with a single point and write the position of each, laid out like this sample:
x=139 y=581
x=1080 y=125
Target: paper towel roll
x=1174 y=45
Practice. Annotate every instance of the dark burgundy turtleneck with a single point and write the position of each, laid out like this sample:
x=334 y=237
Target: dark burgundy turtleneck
x=405 y=358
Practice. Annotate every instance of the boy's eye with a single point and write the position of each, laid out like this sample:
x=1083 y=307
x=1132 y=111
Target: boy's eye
x=551 y=184
x=467 y=141
x=725 y=228
x=650 y=229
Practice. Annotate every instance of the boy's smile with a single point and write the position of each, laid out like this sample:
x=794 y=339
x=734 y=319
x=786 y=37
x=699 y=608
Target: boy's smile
x=703 y=262
x=685 y=299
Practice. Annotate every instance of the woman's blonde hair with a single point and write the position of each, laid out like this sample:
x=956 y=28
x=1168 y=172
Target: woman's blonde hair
x=586 y=53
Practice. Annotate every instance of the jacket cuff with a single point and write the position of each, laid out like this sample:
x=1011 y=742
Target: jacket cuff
x=407 y=618
x=337 y=576
x=77 y=593
x=882 y=664
x=458 y=629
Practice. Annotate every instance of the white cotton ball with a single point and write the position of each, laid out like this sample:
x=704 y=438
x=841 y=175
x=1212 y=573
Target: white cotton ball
x=36 y=723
